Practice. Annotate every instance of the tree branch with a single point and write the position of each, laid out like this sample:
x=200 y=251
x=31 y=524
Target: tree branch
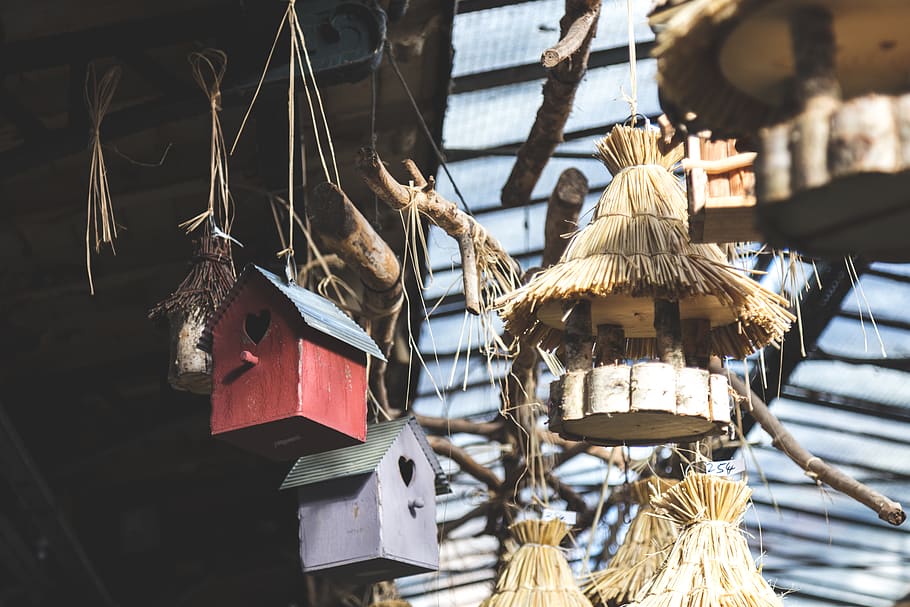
x=443 y=425
x=558 y=95
x=466 y=231
x=345 y=231
x=563 y=209
x=814 y=467
x=571 y=42
x=468 y=464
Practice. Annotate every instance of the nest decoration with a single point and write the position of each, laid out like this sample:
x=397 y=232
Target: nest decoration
x=644 y=548
x=710 y=564
x=829 y=104
x=537 y=573
x=637 y=249
x=188 y=308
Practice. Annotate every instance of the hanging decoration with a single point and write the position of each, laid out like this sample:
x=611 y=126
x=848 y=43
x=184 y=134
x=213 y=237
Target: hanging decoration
x=211 y=273
x=299 y=62
x=634 y=280
x=720 y=182
x=647 y=542
x=829 y=104
x=537 y=573
x=100 y=224
x=710 y=564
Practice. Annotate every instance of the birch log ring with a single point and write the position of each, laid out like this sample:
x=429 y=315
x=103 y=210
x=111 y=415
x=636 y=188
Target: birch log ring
x=646 y=404
x=190 y=368
x=835 y=180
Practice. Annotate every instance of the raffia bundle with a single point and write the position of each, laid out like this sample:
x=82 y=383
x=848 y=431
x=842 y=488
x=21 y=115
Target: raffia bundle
x=710 y=564
x=635 y=249
x=646 y=545
x=537 y=574
x=391 y=603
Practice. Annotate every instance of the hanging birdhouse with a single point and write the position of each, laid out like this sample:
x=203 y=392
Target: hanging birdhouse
x=632 y=284
x=368 y=512
x=289 y=369
x=710 y=563
x=823 y=86
x=643 y=550
x=720 y=182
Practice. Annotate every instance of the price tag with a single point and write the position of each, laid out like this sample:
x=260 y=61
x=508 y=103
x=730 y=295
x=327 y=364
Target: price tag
x=727 y=467
x=562 y=515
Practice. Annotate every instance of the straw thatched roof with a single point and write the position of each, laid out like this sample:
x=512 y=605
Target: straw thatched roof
x=636 y=249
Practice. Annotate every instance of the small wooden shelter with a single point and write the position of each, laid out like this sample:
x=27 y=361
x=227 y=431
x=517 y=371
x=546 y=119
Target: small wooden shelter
x=368 y=512
x=289 y=374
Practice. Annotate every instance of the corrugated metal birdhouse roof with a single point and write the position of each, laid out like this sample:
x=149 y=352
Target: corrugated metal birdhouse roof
x=316 y=311
x=362 y=459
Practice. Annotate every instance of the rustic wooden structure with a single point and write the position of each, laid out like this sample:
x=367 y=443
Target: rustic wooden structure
x=720 y=183
x=827 y=102
x=289 y=374
x=368 y=512
x=633 y=285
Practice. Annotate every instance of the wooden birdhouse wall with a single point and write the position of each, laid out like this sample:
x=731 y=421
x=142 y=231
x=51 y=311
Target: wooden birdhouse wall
x=304 y=392
x=243 y=394
x=409 y=533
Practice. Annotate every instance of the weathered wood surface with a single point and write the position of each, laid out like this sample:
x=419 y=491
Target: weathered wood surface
x=563 y=209
x=190 y=368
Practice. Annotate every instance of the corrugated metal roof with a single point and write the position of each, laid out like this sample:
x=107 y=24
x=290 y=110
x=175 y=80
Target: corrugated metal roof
x=363 y=458
x=316 y=311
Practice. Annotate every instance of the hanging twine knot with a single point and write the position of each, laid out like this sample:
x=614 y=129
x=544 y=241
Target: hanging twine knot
x=810 y=473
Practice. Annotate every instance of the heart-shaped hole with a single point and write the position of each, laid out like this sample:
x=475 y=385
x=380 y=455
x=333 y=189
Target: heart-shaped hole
x=406 y=468
x=256 y=325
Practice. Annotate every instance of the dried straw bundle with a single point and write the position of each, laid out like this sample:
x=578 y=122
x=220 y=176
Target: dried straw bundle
x=635 y=249
x=646 y=545
x=710 y=564
x=537 y=574
x=391 y=603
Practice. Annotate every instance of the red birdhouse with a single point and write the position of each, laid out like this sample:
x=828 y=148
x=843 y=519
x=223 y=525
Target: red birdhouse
x=289 y=369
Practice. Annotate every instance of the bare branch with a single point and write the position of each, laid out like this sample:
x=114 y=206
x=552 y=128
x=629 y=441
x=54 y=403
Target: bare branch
x=558 y=96
x=563 y=209
x=814 y=467
x=571 y=42
x=443 y=425
x=467 y=463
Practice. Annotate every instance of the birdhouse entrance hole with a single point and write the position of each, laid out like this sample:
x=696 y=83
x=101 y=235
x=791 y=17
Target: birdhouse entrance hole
x=406 y=468
x=257 y=325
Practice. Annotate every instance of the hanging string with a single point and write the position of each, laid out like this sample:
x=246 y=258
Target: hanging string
x=100 y=225
x=426 y=129
x=299 y=59
x=209 y=67
x=374 y=94
x=633 y=76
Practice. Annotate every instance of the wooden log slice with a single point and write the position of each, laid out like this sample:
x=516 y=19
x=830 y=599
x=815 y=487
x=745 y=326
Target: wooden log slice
x=190 y=368
x=647 y=404
x=836 y=181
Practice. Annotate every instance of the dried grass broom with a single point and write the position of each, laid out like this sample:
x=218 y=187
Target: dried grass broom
x=211 y=274
x=710 y=564
x=644 y=548
x=537 y=574
x=100 y=225
x=636 y=249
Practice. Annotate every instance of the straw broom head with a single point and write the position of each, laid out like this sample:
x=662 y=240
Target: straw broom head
x=537 y=574
x=636 y=249
x=646 y=545
x=709 y=564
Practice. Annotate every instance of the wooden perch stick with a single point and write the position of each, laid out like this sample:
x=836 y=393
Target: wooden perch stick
x=724 y=165
x=887 y=510
x=445 y=214
x=468 y=464
x=571 y=42
x=558 y=95
x=346 y=232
